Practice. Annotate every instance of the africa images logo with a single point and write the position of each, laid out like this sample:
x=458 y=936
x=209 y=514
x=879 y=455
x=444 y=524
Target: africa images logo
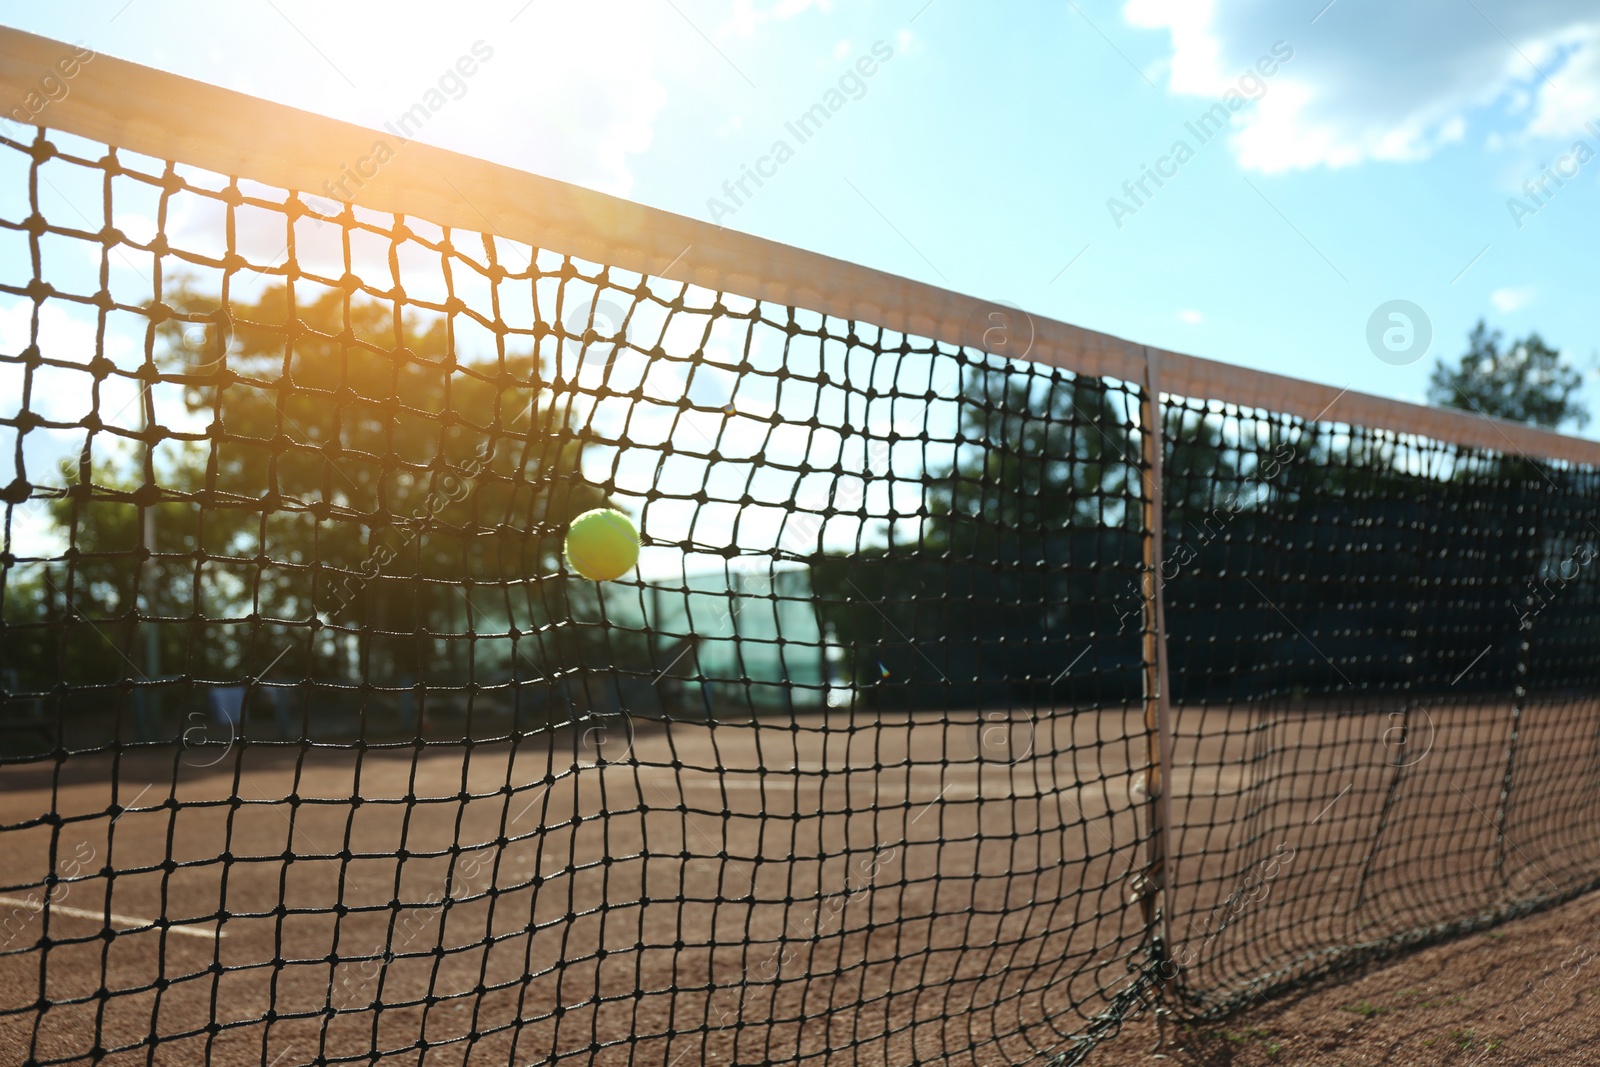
x=851 y=85
x=1567 y=165
x=1251 y=85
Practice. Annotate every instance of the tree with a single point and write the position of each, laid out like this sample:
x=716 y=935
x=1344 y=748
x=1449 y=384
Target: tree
x=1537 y=508
x=1526 y=382
x=366 y=501
x=1027 y=536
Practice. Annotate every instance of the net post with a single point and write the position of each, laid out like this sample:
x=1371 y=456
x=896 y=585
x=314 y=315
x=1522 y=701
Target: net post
x=1154 y=886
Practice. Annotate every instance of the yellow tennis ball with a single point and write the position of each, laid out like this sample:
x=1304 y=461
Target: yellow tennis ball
x=602 y=544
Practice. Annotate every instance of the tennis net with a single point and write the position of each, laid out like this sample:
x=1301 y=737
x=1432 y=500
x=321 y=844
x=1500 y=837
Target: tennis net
x=983 y=681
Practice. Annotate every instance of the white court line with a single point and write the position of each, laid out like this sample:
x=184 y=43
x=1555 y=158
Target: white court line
x=100 y=916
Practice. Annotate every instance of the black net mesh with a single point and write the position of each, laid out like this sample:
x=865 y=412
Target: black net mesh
x=1382 y=656
x=315 y=751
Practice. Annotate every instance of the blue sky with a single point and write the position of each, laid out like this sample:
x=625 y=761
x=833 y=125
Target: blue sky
x=1374 y=163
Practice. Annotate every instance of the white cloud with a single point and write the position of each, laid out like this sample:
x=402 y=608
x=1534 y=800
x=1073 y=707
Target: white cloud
x=1511 y=298
x=1377 y=80
x=1572 y=99
x=749 y=15
x=1192 y=317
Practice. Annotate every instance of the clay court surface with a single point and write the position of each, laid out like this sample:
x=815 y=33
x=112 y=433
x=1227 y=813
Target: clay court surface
x=1525 y=994
x=833 y=839
x=862 y=890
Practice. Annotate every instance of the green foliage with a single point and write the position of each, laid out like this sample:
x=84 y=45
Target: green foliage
x=355 y=474
x=980 y=607
x=1525 y=382
x=1037 y=454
